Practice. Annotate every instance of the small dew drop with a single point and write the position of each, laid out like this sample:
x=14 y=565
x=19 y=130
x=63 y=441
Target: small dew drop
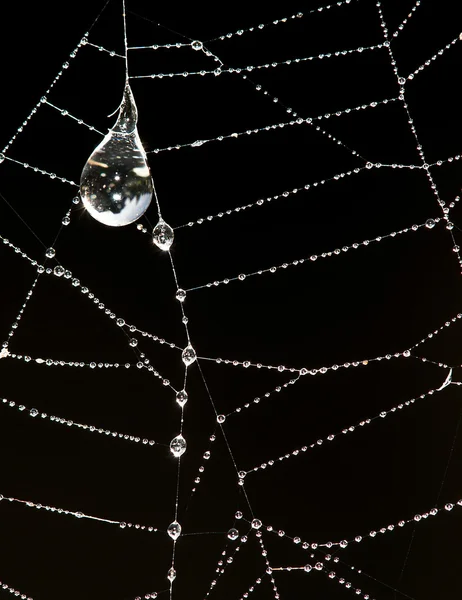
x=174 y=530
x=181 y=397
x=178 y=446
x=180 y=295
x=188 y=355
x=162 y=235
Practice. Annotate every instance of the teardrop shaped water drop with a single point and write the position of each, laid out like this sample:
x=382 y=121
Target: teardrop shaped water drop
x=188 y=355
x=178 y=446
x=116 y=185
x=182 y=397
x=162 y=235
x=171 y=575
x=174 y=530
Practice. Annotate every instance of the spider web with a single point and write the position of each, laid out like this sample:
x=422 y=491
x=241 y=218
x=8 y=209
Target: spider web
x=312 y=186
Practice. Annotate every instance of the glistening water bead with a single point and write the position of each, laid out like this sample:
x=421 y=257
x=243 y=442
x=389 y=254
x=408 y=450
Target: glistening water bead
x=180 y=295
x=171 y=575
x=182 y=397
x=174 y=530
x=162 y=235
x=188 y=355
x=233 y=534
x=116 y=185
x=178 y=446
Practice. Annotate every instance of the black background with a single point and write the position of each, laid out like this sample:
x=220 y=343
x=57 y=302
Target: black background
x=366 y=303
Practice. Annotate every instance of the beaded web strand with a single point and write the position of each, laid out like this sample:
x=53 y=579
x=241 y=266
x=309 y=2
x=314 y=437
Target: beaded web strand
x=250 y=555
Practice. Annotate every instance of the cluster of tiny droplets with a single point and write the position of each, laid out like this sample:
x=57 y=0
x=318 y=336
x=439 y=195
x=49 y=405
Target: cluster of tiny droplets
x=274 y=126
x=293 y=191
x=348 y=585
x=37 y=170
x=249 y=68
x=261 y=26
x=224 y=561
x=65 y=113
x=17 y=250
x=205 y=457
x=342 y=544
x=434 y=333
x=143 y=363
x=290 y=110
x=15 y=324
x=156 y=338
x=258 y=399
x=332 y=253
x=64 y=67
x=147 y=596
x=251 y=589
x=320 y=370
x=405 y=21
x=428 y=62
x=34 y=412
x=402 y=81
x=345 y=431
x=269 y=570
x=103 y=49
x=50 y=362
x=77 y=514
x=59 y=271
x=16 y=593
x=198 y=143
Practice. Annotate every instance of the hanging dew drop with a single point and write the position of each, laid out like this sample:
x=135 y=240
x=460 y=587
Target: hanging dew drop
x=178 y=446
x=116 y=185
x=188 y=355
x=162 y=235
x=171 y=575
x=233 y=534
x=182 y=397
x=174 y=530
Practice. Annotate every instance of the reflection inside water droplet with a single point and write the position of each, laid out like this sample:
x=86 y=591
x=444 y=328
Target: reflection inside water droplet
x=162 y=235
x=178 y=446
x=116 y=185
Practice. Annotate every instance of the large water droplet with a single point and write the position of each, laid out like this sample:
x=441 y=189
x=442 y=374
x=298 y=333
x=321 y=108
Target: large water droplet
x=116 y=185
x=162 y=235
x=171 y=575
x=233 y=534
x=178 y=446
x=188 y=355
x=174 y=530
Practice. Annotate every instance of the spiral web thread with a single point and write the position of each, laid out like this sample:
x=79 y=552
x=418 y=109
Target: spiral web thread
x=321 y=560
